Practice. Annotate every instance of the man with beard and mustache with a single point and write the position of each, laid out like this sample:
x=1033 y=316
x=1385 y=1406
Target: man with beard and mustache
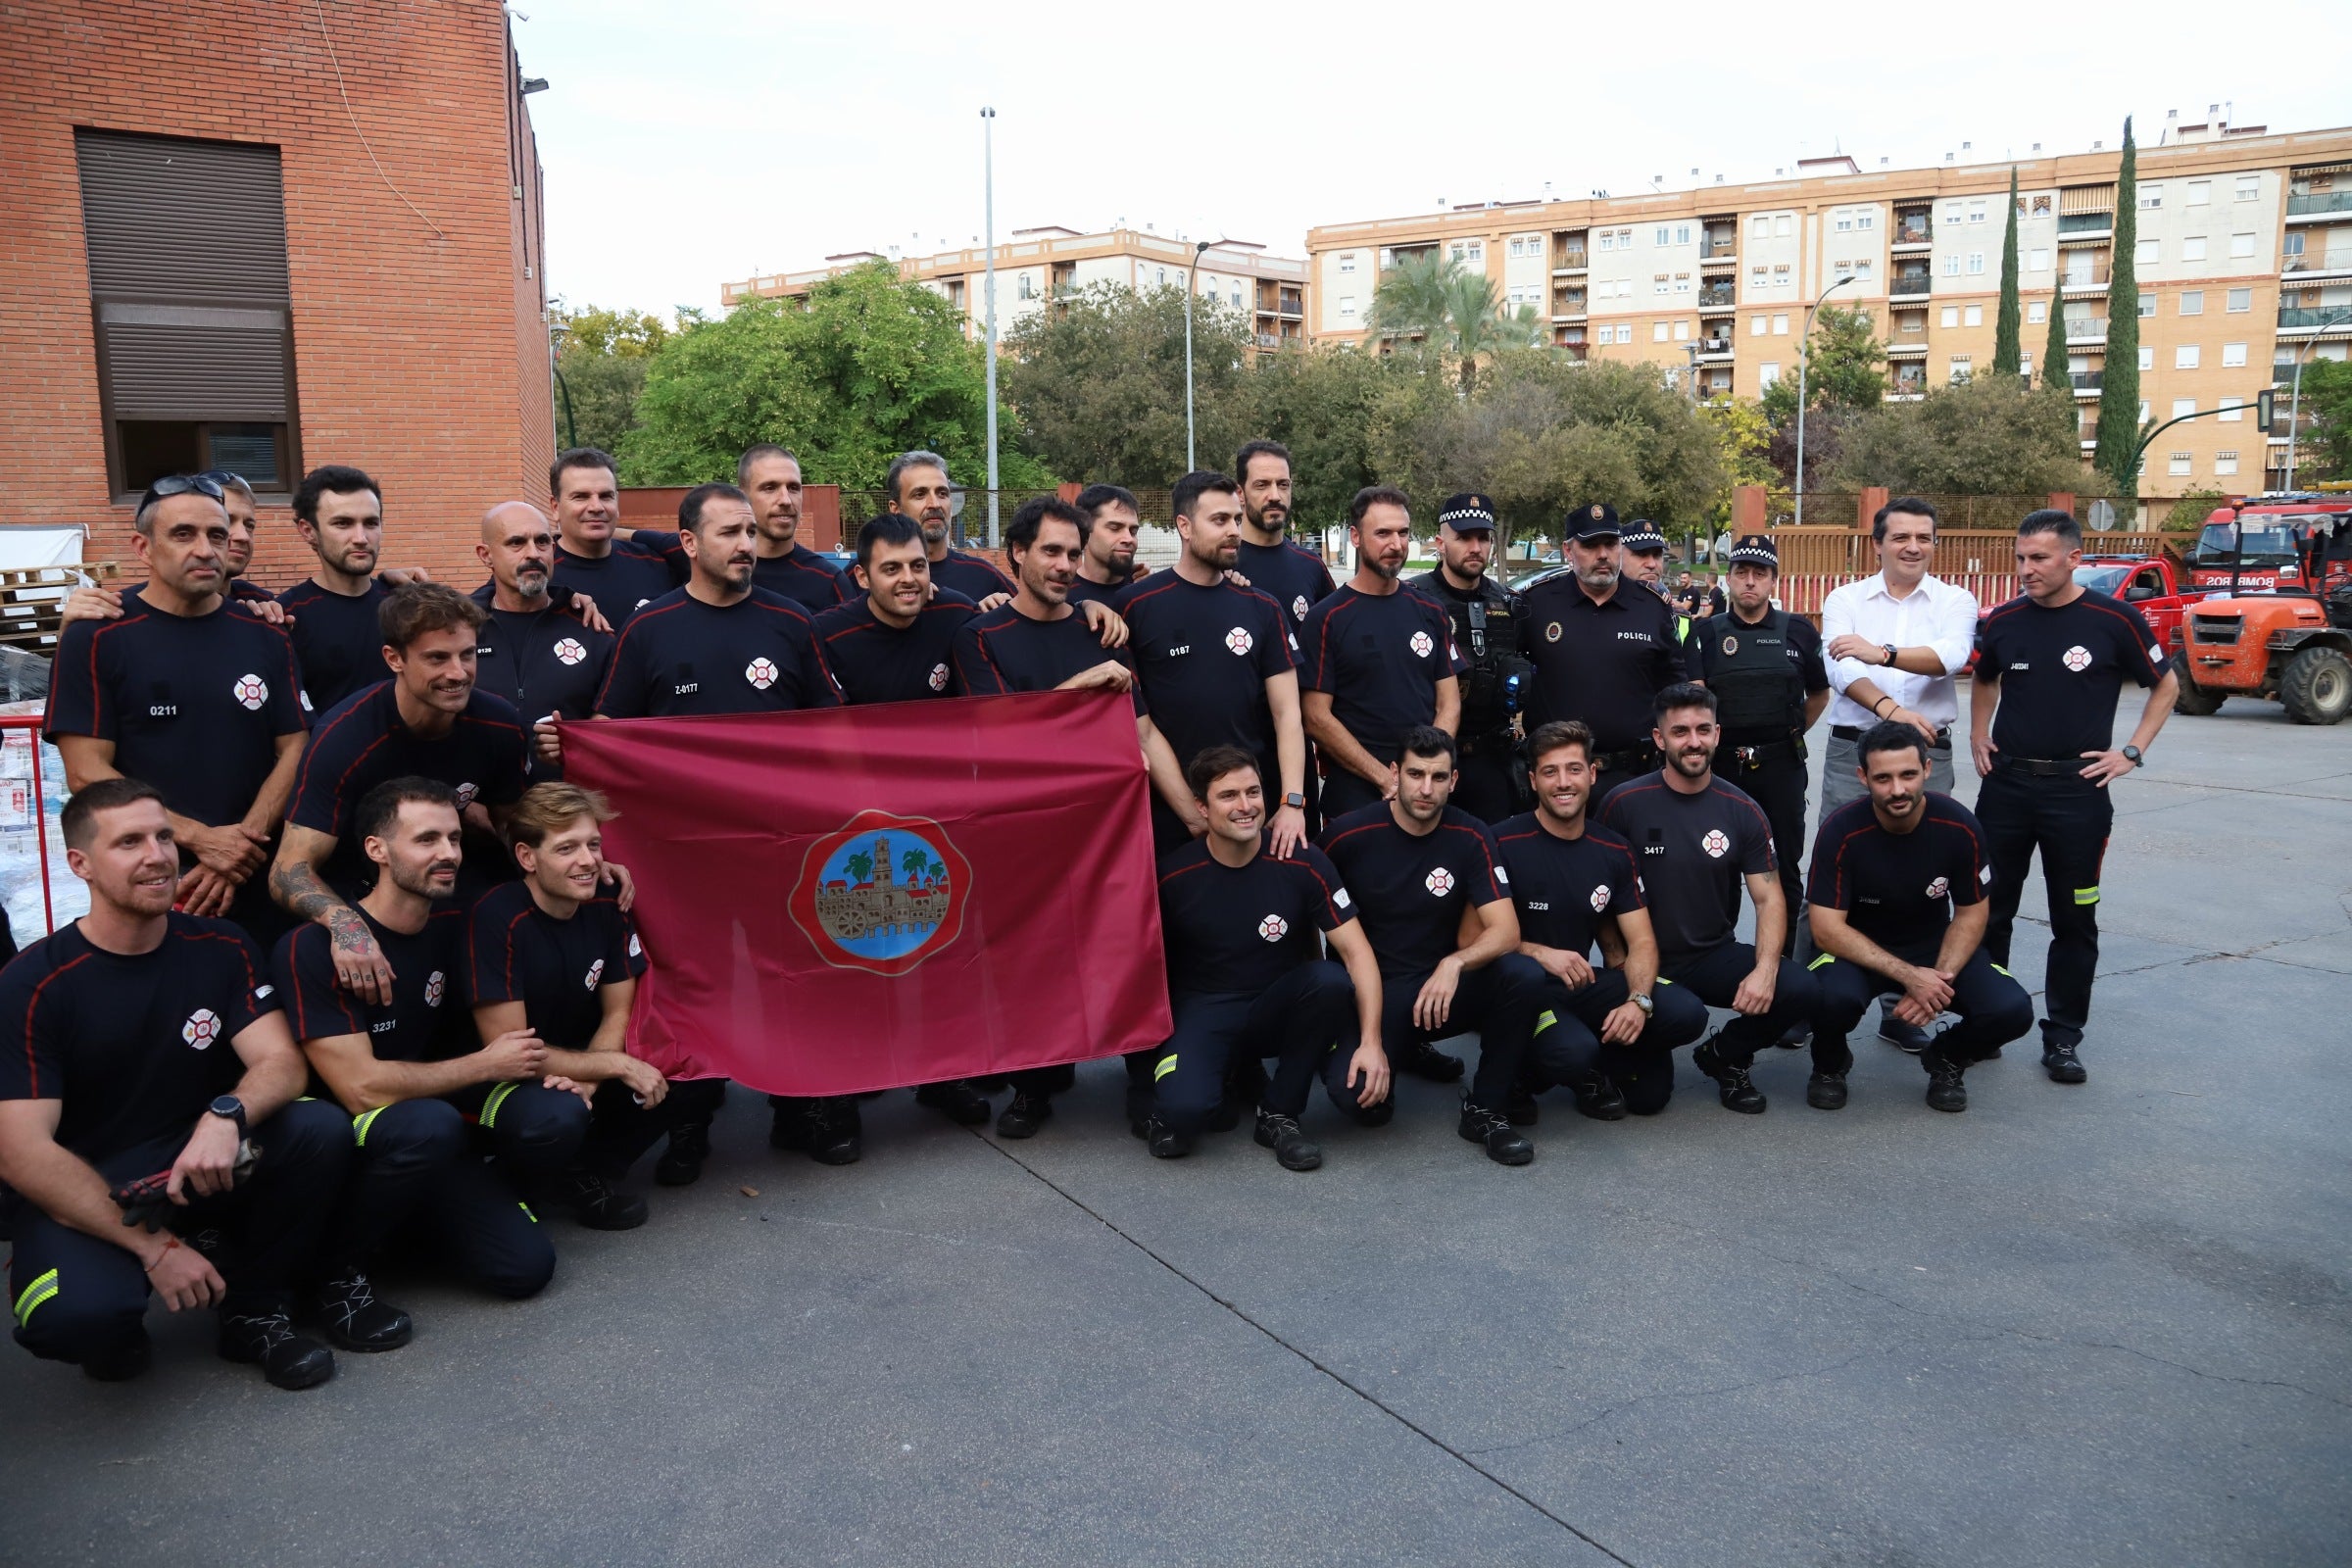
x=1602 y=650
x=1899 y=907
x=1039 y=641
x=1291 y=574
x=1697 y=840
x=770 y=475
x=340 y=513
x=411 y=1075
x=1380 y=662
x=1486 y=632
x=1113 y=522
x=428 y=719
x=918 y=487
x=532 y=652
x=197 y=697
x=1608 y=1032
x=1642 y=556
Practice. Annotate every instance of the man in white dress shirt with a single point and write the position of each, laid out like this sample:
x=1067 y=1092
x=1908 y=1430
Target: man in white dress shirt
x=1895 y=645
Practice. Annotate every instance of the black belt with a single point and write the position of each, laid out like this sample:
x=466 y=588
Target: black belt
x=1766 y=752
x=1847 y=732
x=1491 y=745
x=2040 y=766
x=1634 y=759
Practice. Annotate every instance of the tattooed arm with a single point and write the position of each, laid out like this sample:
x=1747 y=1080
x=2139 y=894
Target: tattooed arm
x=296 y=884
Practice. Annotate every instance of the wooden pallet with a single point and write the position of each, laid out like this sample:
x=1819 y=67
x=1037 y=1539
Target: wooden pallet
x=31 y=597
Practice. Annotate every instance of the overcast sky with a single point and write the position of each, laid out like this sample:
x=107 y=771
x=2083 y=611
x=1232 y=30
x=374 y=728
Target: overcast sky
x=689 y=142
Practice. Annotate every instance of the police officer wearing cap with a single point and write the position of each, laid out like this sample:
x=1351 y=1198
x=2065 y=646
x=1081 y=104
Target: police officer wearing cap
x=1764 y=667
x=1601 y=650
x=1485 y=616
x=1643 y=556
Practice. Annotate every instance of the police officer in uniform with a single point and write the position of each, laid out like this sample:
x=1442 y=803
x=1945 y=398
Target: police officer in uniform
x=1644 y=559
x=1602 y=650
x=1764 y=667
x=1486 y=632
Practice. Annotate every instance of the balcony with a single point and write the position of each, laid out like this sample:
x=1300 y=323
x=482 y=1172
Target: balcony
x=1903 y=346
x=1714 y=350
x=2336 y=320
x=1268 y=340
x=1717 y=296
x=2086 y=279
x=2086 y=224
x=1909 y=284
x=1566 y=262
x=2318 y=204
x=2087 y=331
x=1907 y=236
x=2086 y=383
x=2307 y=266
x=1719 y=253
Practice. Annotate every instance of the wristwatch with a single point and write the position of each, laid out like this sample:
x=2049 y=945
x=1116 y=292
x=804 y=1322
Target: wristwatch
x=1294 y=801
x=231 y=1107
x=1888 y=649
x=1640 y=998
x=2131 y=754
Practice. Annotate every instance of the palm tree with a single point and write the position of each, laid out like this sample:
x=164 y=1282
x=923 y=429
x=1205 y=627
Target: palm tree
x=1448 y=308
x=860 y=866
x=911 y=864
x=938 y=872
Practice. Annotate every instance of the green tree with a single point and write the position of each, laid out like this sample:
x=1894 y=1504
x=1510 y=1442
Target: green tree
x=1987 y=436
x=1447 y=309
x=1099 y=382
x=2116 y=457
x=2325 y=451
x=601 y=358
x=913 y=862
x=1743 y=446
x=1842 y=369
x=1321 y=404
x=860 y=866
x=868 y=367
x=2056 y=364
x=2007 y=350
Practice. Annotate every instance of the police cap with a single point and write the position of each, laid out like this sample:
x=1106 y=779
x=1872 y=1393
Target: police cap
x=1754 y=550
x=1467 y=512
x=1641 y=536
x=1595 y=520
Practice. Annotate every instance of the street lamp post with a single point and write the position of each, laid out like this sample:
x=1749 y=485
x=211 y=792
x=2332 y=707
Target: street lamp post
x=988 y=208
x=2294 y=404
x=1191 y=283
x=1804 y=363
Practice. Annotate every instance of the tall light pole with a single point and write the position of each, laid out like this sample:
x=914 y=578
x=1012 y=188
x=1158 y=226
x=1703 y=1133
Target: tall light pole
x=2294 y=404
x=1804 y=363
x=988 y=222
x=1191 y=283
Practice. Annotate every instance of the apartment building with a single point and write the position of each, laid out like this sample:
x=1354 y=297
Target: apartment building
x=1038 y=267
x=2243 y=260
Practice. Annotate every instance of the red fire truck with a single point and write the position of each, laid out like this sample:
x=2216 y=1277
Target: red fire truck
x=2292 y=539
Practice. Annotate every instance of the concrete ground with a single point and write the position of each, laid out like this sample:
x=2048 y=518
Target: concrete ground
x=2098 y=1325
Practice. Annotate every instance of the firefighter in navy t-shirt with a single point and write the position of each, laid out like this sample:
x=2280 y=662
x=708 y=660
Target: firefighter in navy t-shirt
x=1277 y=566
x=1436 y=904
x=1698 y=841
x=195 y=697
x=1380 y=660
x=896 y=641
x=1113 y=523
x=532 y=650
x=918 y=487
x=622 y=576
x=2051 y=665
x=331 y=615
x=427 y=720
x=139 y=1041
x=1898 y=907
x=1245 y=974
x=555 y=954
x=1606 y=1031
x=413 y=1075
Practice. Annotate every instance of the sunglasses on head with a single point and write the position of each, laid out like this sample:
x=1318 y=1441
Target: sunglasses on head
x=181 y=484
x=226 y=479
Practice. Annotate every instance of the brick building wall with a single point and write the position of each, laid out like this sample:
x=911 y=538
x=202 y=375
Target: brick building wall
x=419 y=341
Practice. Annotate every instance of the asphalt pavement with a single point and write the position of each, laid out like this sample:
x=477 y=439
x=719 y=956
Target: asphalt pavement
x=2109 y=1324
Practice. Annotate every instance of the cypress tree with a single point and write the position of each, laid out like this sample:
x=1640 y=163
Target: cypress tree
x=2116 y=458
x=2006 y=349
x=2054 y=361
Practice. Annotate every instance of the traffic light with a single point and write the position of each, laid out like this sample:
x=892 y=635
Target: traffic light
x=2264 y=401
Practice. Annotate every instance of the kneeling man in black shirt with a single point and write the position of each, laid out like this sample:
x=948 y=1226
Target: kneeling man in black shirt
x=1899 y=906
x=138 y=1042
x=1244 y=974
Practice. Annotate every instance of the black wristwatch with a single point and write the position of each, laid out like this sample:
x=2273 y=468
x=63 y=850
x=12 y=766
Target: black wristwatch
x=1294 y=801
x=231 y=1107
x=1889 y=649
x=2131 y=754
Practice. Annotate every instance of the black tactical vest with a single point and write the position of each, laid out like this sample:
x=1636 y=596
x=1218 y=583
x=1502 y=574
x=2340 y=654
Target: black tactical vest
x=1759 y=691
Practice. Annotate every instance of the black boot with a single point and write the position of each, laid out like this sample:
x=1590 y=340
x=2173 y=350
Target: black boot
x=1945 y=1090
x=959 y=1101
x=1732 y=1084
x=1505 y=1145
x=260 y=1333
x=2062 y=1065
x=592 y=1199
x=681 y=1164
x=1292 y=1149
x=355 y=1320
x=1425 y=1060
x=1164 y=1141
x=1599 y=1098
x=1025 y=1115
x=1825 y=1090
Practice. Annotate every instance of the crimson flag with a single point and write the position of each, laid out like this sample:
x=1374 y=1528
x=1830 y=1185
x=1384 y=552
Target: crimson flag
x=866 y=898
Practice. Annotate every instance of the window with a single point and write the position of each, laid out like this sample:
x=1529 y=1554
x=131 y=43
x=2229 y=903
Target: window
x=2231 y=410
x=1478 y=250
x=1758 y=227
x=1660 y=283
x=1625 y=333
x=1625 y=239
x=2039 y=311
x=1518 y=246
x=2143 y=410
x=2200 y=193
x=2148 y=252
x=1951 y=265
x=1346 y=307
x=1976 y=260
x=1862 y=268
x=2151 y=197
x=2293 y=243
x=2185 y=358
x=2249 y=186
x=2234 y=356
x=1845 y=222
x=1960 y=368
x=1608 y=240
x=2038 y=260
x=1237 y=295
x=2178 y=463
x=2224 y=462
x=195 y=350
x=1767 y=373
x=1459 y=254
x=1781 y=277
x=1657 y=331
x=1625 y=287
x=1682 y=234
x=1757 y=274
x=1952 y=315
x=2193 y=248
x=2241 y=300
x=1865 y=219
x=1164 y=278
x=2148 y=304
x=1973 y=316
x=2192 y=302
x=1758 y=325
x=1779 y=324
x=1976 y=212
x=1663 y=236
x=1347 y=261
x=2241 y=244
x=2025 y=365
x=1682 y=331
x=1783 y=226
x=2147 y=362
x=2181 y=406
x=1682 y=282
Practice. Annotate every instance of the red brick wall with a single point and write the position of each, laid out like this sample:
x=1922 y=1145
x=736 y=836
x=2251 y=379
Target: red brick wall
x=420 y=357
